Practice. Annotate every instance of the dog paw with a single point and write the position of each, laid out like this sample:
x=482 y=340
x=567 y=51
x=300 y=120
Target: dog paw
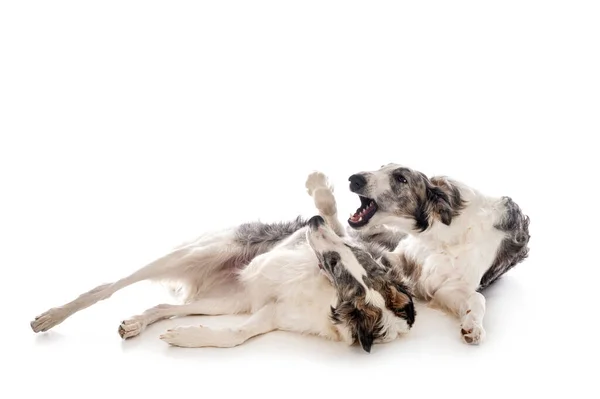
x=317 y=180
x=325 y=202
x=48 y=319
x=200 y=337
x=131 y=328
x=185 y=337
x=472 y=332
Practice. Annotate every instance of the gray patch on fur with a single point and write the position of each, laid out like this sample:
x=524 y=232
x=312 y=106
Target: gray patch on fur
x=259 y=237
x=409 y=270
x=259 y=232
x=370 y=265
x=387 y=240
x=377 y=243
x=364 y=319
x=411 y=194
x=514 y=248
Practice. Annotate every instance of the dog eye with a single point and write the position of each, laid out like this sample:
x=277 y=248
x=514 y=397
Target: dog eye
x=333 y=263
x=400 y=179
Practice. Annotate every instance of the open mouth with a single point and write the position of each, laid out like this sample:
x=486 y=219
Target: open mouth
x=367 y=209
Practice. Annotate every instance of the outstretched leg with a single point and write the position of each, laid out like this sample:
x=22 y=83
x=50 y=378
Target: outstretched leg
x=469 y=306
x=318 y=187
x=168 y=266
x=261 y=322
x=233 y=304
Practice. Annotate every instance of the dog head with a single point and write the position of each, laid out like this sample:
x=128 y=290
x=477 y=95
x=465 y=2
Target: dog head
x=373 y=303
x=404 y=198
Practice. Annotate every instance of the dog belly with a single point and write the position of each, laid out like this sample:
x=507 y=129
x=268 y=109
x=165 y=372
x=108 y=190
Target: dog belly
x=463 y=263
x=291 y=277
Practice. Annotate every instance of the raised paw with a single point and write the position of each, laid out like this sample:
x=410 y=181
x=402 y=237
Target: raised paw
x=132 y=327
x=48 y=319
x=317 y=180
x=325 y=202
x=472 y=332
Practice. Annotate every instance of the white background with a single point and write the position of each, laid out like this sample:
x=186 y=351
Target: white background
x=129 y=127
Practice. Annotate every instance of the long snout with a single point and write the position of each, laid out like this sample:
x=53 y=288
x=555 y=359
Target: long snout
x=321 y=237
x=315 y=222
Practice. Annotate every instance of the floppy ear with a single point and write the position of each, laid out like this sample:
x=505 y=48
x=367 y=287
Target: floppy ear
x=440 y=203
x=367 y=318
x=358 y=320
x=361 y=318
x=400 y=302
x=365 y=336
x=398 y=299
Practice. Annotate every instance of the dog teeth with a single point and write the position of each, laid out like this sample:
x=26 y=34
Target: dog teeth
x=360 y=219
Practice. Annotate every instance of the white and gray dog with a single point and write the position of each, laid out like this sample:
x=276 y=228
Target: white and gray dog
x=436 y=238
x=458 y=241
x=301 y=276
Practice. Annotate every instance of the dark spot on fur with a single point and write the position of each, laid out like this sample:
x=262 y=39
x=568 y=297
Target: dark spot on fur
x=410 y=268
x=422 y=199
x=400 y=303
x=448 y=203
x=385 y=262
x=363 y=320
x=367 y=261
x=331 y=261
x=421 y=216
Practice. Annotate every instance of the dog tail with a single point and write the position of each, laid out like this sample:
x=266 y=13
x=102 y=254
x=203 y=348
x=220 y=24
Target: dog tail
x=514 y=249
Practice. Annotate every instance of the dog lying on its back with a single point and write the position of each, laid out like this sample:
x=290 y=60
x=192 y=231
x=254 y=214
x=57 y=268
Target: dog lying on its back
x=302 y=276
x=457 y=241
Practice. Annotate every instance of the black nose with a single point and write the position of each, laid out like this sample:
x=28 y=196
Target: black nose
x=316 y=221
x=357 y=182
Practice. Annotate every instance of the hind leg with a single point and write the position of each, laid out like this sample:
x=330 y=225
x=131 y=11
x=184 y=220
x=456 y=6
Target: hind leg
x=261 y=322
x=233 y=304
x=168 y=266
x=319 y=188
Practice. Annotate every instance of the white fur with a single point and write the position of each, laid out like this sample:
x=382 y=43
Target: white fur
x=452 y=258
x=282 y=289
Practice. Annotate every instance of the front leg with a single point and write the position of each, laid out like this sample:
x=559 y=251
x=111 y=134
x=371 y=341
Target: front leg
x=319 y=187
x=454 y=296
x=469 y=306
x=261 y=322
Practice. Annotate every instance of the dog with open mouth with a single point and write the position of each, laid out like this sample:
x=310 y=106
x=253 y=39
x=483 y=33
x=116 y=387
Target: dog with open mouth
x=300 y=276
x=456 y=241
